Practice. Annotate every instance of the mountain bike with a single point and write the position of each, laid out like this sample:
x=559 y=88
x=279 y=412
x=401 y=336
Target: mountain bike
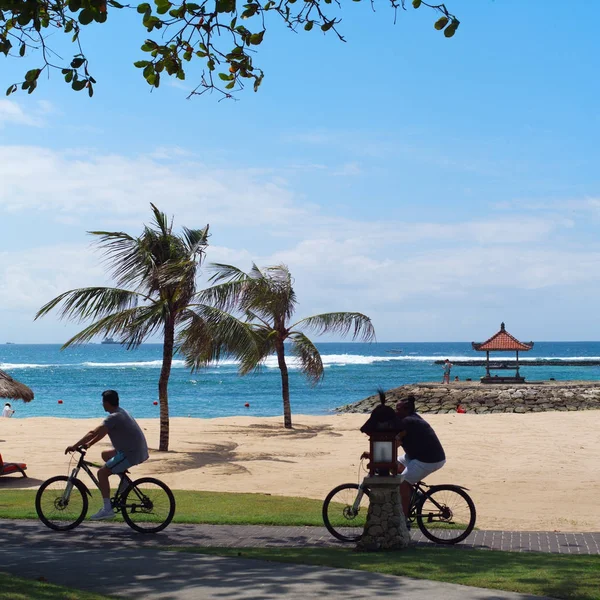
x=147 y=504
x=444 y=513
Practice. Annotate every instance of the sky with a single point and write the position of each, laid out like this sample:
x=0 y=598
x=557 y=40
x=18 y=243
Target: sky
x=439 y=186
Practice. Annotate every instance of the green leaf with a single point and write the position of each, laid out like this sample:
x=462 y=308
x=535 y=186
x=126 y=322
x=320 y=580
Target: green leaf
x=181 y=74
x=224 y=6
x=230 y=86
x=90 y=90
x=86 y=16
x=416 y=3
x=142 y=8
x=68 y=26
x=225 y=77
x=77 y=62
x=192 y=7
x=22 y=50
x=74 y=5
x=149 y=45
x=451 y=29
x=441 y=23
x=257 y=38
x=32 y=75
x=69 y=76
x=309 y=25
x=140 y=64
x=78 y=84
x=11 y=89
x=327 y=26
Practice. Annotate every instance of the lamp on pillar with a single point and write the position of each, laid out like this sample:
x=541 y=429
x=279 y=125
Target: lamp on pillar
x=383 y=450
x=382 y=427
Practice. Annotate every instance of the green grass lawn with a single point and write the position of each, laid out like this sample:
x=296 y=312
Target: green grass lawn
x=199 y=507
x=16 y=588
x=571 y=577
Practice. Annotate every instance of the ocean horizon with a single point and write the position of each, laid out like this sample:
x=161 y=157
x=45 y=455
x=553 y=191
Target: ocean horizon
x=353 y=371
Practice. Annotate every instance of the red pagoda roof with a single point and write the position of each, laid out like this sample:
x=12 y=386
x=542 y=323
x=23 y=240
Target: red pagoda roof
x=502 y=341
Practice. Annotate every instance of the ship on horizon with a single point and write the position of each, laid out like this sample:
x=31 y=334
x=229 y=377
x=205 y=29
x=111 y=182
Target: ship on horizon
x=109 y=341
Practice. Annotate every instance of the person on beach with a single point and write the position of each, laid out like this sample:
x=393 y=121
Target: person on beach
x=7 y=411
x=130 y=447
x=447 y=367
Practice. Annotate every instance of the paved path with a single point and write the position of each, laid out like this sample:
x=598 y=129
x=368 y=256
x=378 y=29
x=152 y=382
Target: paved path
x=106 y=534
x=152 y=574
x=111 y=559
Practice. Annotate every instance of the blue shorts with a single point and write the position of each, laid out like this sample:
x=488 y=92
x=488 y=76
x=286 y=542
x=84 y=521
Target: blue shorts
x=118 y=463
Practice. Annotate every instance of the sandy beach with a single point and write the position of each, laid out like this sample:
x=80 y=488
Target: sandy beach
x=537 y=471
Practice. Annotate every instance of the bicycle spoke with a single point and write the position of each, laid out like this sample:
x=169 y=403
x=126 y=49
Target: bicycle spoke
x=149 y=505
x=447 y=515
x=343 y=517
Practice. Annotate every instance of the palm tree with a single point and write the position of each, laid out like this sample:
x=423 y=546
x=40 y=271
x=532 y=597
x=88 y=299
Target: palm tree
x=267 y=300
x=156 y=278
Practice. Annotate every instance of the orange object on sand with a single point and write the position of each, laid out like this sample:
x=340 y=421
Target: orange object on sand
x=8 y=468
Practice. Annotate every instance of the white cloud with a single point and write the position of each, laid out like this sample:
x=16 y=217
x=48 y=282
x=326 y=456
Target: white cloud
x=380 y=267
x=78 y=183
x=12 y=113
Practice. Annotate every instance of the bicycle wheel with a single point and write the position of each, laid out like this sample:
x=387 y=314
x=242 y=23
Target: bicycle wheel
x=446 y=514
x=148 y=505
x=61 y=503
x=342 y=519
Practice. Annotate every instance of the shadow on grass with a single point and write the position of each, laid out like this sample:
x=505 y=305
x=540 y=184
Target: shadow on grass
x=137 y=573
x=556 y=576
x=16 y=588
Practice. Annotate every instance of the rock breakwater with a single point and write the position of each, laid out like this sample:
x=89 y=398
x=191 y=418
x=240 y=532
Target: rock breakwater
x=479 y=398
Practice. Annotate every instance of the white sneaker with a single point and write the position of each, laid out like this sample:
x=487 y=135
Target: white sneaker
x=103 y=513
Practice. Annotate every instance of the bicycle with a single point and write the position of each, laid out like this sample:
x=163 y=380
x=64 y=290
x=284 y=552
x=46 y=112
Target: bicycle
x=147 y=504
x=444 y=513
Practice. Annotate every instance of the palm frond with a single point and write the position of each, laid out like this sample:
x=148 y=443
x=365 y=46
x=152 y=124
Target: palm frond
x=264 y=338
x=161 y=221
x=196 y=240
x=145 y=322
x=229 y=273
x=92 y=303
x=114 y=325
x=225 y=296
x=341 y=323
x=126 y=257
x=311 y=364
x=210 y=334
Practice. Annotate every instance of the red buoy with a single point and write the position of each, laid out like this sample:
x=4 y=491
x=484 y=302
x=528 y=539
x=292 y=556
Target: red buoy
x=247 y=405
x=155 y=403
x=460 y=409
x=60 y=401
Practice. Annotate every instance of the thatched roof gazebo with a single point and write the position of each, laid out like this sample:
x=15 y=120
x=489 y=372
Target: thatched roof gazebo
x=502 y=342
x=13 y=389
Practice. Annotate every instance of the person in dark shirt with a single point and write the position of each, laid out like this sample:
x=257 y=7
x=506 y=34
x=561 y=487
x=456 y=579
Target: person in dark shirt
x=423 y=452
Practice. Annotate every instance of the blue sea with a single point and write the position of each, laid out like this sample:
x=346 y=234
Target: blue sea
x=353 y=371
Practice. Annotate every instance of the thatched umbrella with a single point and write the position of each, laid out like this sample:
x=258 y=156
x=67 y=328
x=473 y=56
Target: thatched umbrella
x=10 y=388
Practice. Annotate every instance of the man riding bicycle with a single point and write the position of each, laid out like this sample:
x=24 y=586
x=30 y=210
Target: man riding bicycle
x=423 y=452
x=130 y=447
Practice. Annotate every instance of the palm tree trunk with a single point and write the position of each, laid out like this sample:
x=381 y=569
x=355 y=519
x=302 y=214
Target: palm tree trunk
x=285 y=385
x=163 y=385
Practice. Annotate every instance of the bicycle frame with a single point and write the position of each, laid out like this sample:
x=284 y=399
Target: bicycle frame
x=85 y=465
x=420 y=488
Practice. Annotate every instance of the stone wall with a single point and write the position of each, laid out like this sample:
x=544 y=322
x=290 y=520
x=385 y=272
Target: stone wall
x=480 y=398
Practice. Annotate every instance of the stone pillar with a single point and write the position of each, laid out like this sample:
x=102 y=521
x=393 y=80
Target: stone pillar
x=385 y=528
